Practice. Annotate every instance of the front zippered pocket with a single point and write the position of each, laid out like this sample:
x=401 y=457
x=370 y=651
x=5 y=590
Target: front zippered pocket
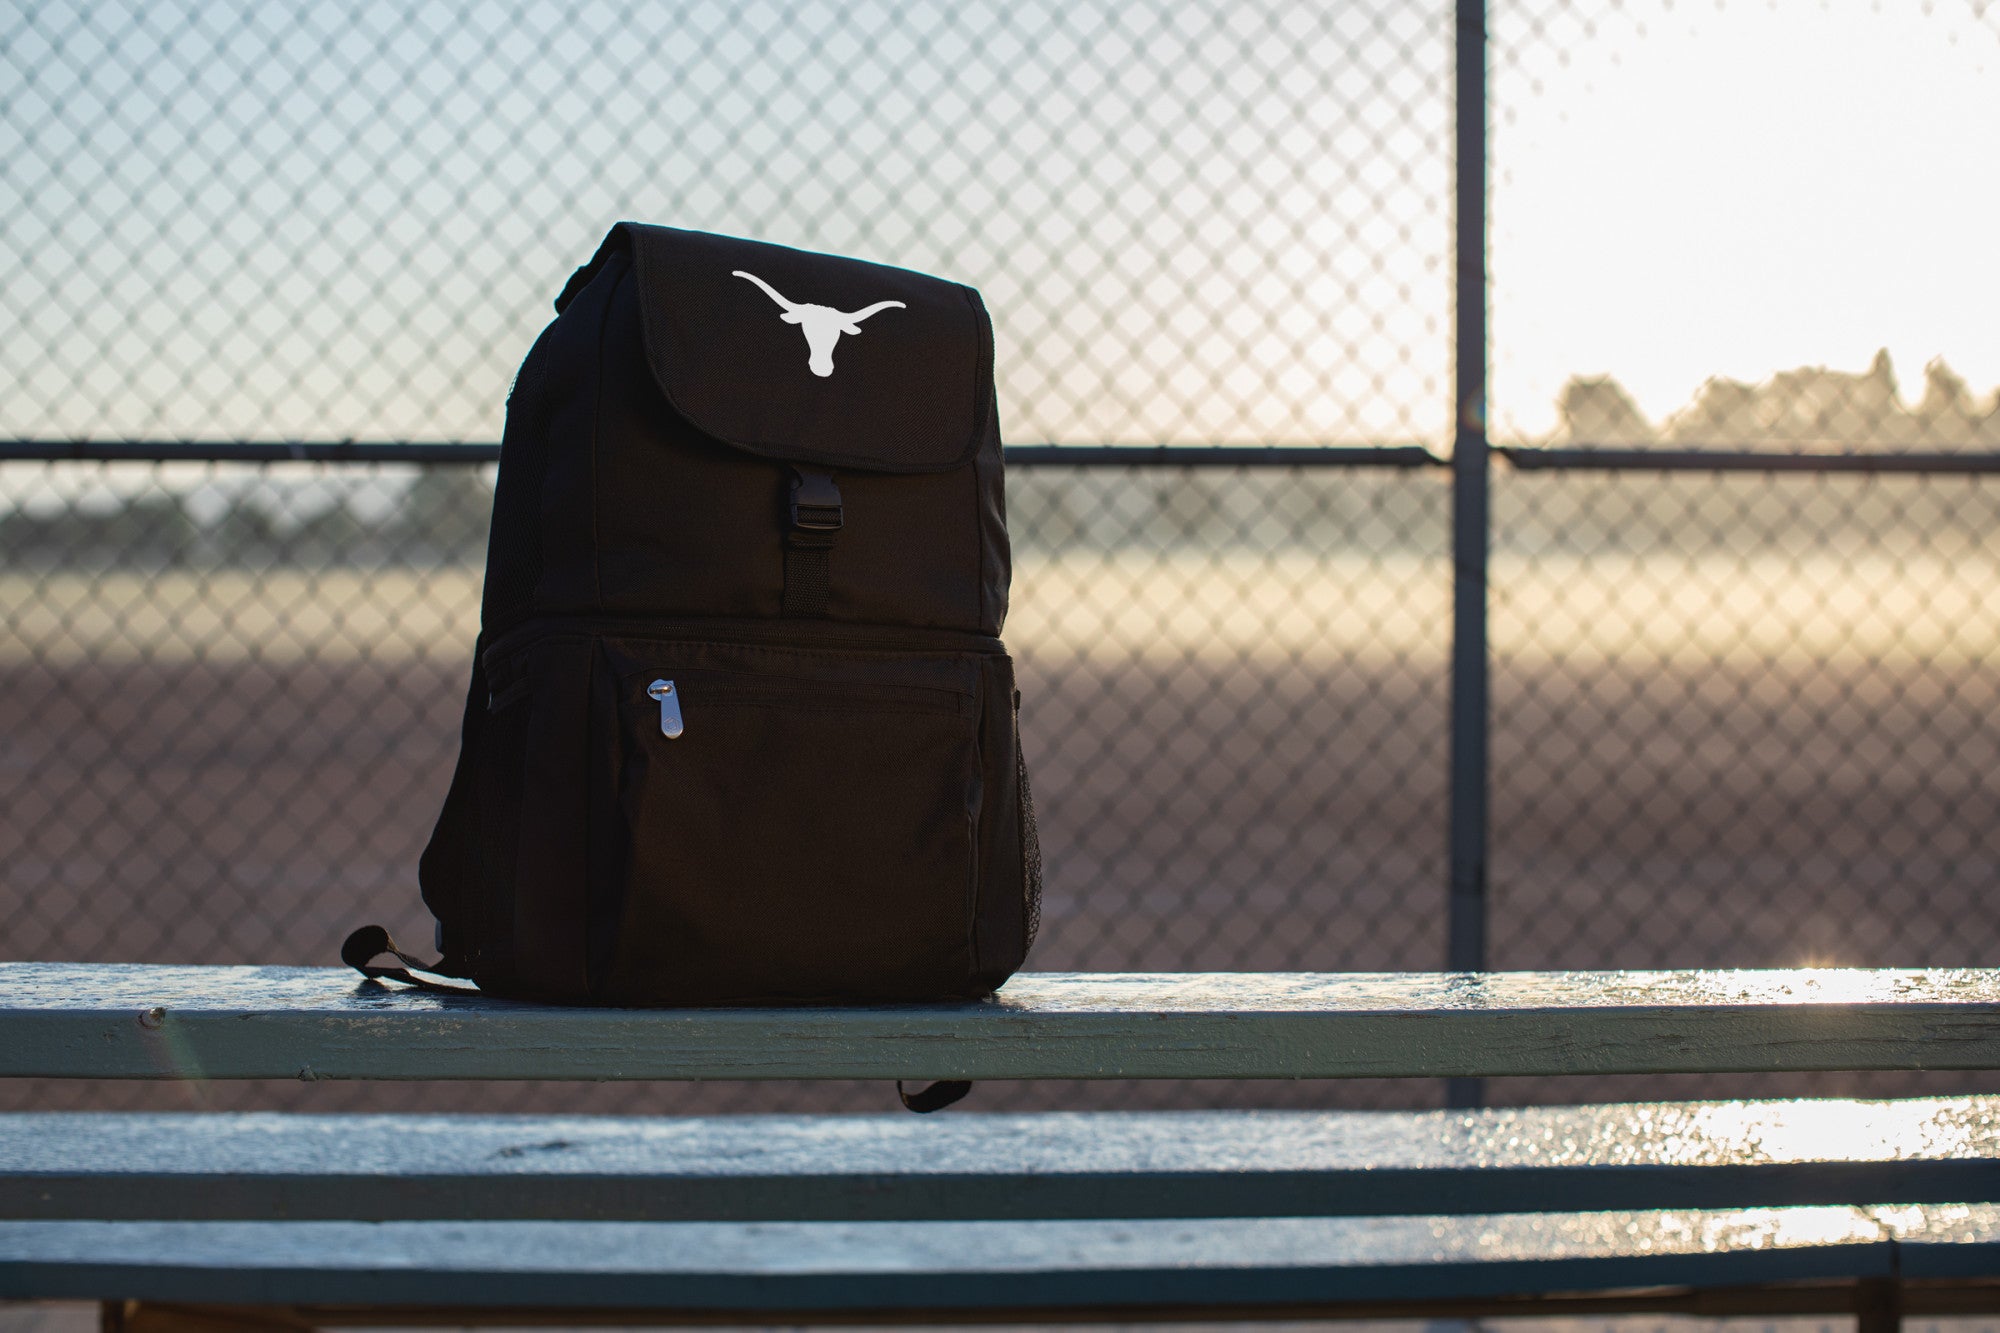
x=793 y=693
x=784 y=824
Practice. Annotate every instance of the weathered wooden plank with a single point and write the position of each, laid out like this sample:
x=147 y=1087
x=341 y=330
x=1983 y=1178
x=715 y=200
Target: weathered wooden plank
x=130 y=1021
x=1948 y=1241
x=992 y=1266
x=1133 y=1165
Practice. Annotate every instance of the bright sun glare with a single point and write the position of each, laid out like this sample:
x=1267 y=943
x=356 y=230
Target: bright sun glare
x=1681 y=193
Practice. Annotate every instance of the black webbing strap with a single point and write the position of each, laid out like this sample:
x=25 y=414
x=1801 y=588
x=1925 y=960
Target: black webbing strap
x=365 y=945
x=934 y=1098
x=816 y=520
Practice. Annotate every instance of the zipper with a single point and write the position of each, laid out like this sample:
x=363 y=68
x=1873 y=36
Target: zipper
x=805 y=634
x=800 y=693
x=671 y=725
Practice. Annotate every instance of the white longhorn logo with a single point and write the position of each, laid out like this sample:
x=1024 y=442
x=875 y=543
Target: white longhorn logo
x=822 y=324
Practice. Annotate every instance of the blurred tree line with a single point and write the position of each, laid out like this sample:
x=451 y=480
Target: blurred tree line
x=440 y=517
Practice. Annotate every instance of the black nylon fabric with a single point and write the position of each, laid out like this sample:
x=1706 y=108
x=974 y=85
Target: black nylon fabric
x=724 y=745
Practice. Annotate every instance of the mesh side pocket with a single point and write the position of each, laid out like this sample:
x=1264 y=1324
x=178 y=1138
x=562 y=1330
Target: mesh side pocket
x=1031 y=843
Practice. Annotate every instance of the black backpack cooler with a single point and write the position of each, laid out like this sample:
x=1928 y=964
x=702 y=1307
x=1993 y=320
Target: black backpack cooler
x=741 y=729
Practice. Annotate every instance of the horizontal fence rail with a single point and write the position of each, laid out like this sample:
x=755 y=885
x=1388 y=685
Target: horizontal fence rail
x=1585 y=458
x=1031 y=455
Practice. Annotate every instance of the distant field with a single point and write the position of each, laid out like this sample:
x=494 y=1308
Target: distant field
x=1127 y=605
x=1240 y=762
x=279 y=615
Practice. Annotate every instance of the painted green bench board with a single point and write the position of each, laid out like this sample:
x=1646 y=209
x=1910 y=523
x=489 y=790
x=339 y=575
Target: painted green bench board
x=134 y=1021
x=1943 y=1243
x=969 y=1167
x=799 y=1267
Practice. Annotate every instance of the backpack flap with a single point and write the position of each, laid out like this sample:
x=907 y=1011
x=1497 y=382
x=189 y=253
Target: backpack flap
x=810 y=358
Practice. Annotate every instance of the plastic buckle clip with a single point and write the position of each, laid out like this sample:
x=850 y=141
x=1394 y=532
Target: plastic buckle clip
x=815 y=501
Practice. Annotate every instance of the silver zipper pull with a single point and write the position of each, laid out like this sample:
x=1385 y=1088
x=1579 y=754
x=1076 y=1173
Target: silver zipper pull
x=670 y=708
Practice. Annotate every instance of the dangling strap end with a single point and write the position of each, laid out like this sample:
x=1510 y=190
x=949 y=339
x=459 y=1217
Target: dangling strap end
x=360 y=950
x=934 y=1098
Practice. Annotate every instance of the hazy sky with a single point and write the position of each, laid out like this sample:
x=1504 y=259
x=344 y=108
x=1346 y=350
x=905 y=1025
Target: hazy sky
x=1701 y=189
x=1193 y=222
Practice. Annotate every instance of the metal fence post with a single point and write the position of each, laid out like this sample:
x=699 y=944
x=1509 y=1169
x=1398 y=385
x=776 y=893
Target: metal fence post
x=1466 y=949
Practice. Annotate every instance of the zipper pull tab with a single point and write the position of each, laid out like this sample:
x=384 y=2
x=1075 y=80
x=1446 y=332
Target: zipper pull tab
x=670 y=708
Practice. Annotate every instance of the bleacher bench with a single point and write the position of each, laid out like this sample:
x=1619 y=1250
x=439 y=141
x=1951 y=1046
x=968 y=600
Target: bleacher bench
x=189 y=1221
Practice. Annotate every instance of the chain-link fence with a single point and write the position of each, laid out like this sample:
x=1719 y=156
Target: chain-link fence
x=1741 y=711
x=232 y=702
